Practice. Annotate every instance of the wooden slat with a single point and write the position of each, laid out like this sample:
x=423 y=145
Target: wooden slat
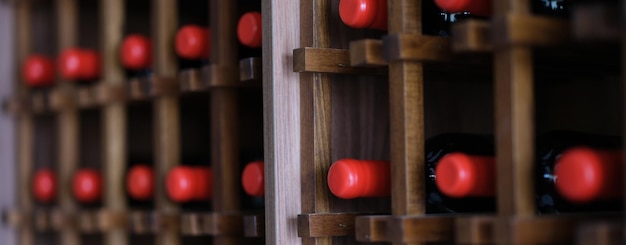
x=406 y=229
x=472 y=36
x=328 y=60
x=25 y=126
x=142 y=222
x=324 y=225
x=519 y=29
x=514 y=133
x=254 y=225
x=250 y=69
x=190 y=80
x=113 y=219
x=596 y=22
x=600 y=233
x=67 y=121
x=415 y=47
x=212 y=224
x=367 y=53
x=281 y=121
x=406 y=111
x=316 y=106
x=166 y=113
x=475 y=229
x=224 y=114
x=371 y=228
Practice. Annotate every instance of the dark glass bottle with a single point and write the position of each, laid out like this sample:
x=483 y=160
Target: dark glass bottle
x=441 y=146
x=551 y=149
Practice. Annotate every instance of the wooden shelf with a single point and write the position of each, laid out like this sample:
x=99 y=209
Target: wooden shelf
x=250 y=69
x=254 y=225
x=214 y=224
x=417 y=48
x=404 y=229
x=601 y=233
x=547 y=229
x=327 y=60
x=367 y=53
x=371 y=228
x=142 y=222
x=472 y=36
x=596 y=22
x=529 y=30
x=323 y=225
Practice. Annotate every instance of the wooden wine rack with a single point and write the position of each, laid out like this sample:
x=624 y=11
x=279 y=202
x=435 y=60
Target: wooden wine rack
x=328 y=92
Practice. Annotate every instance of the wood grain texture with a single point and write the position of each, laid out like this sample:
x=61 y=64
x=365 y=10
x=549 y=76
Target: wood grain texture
x=406 y=112
x=224 y=115
x=517 y=29
x=472 y=36
x=166 y=113
x=416 y=47
x=371 y=228
x=600 y=233
x=212 y=224
x=475 y=229
x=323 y=225
x=515 y=131
x=250 y=69
x=281 y=116
x=25 y=126
x=327 y=60
x=67 y=121
x=254 y=225
x=114 y=123
x=408 y=229
x=367 y=53
x=315 y=114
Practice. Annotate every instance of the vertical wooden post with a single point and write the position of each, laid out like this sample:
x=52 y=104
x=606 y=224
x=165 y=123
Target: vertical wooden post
x=67 y=122
x=406 y=103
x=166 y=111
x=25 y=127
x=315 y=115
x=515 y=130
x=224 y=114
x=114 y=116
x=281 y=34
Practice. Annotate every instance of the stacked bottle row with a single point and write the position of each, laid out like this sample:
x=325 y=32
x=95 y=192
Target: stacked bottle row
x=192 y=43
x=576 y=172
x=183 y=183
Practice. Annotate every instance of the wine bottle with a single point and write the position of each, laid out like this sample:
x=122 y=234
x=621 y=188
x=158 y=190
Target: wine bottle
x=448 y=155
x=136 y=55
x=578 y=172
x=193 y=45
x=186 y=184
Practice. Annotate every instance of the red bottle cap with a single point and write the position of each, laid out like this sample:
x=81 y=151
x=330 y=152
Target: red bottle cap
x=584 y=174
x=90 y=65
x=136 y=52
x=364 y=13
x=87 y=185
x=186 y=184
x=38 y=71
x=350 y=178
x=475 y=7
x=79 y=64
x=460 y=175
x=249 y=29
x=193 y=42
x=69 y=64
x=44 y=185
x=140 y=182
x=253 y=179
